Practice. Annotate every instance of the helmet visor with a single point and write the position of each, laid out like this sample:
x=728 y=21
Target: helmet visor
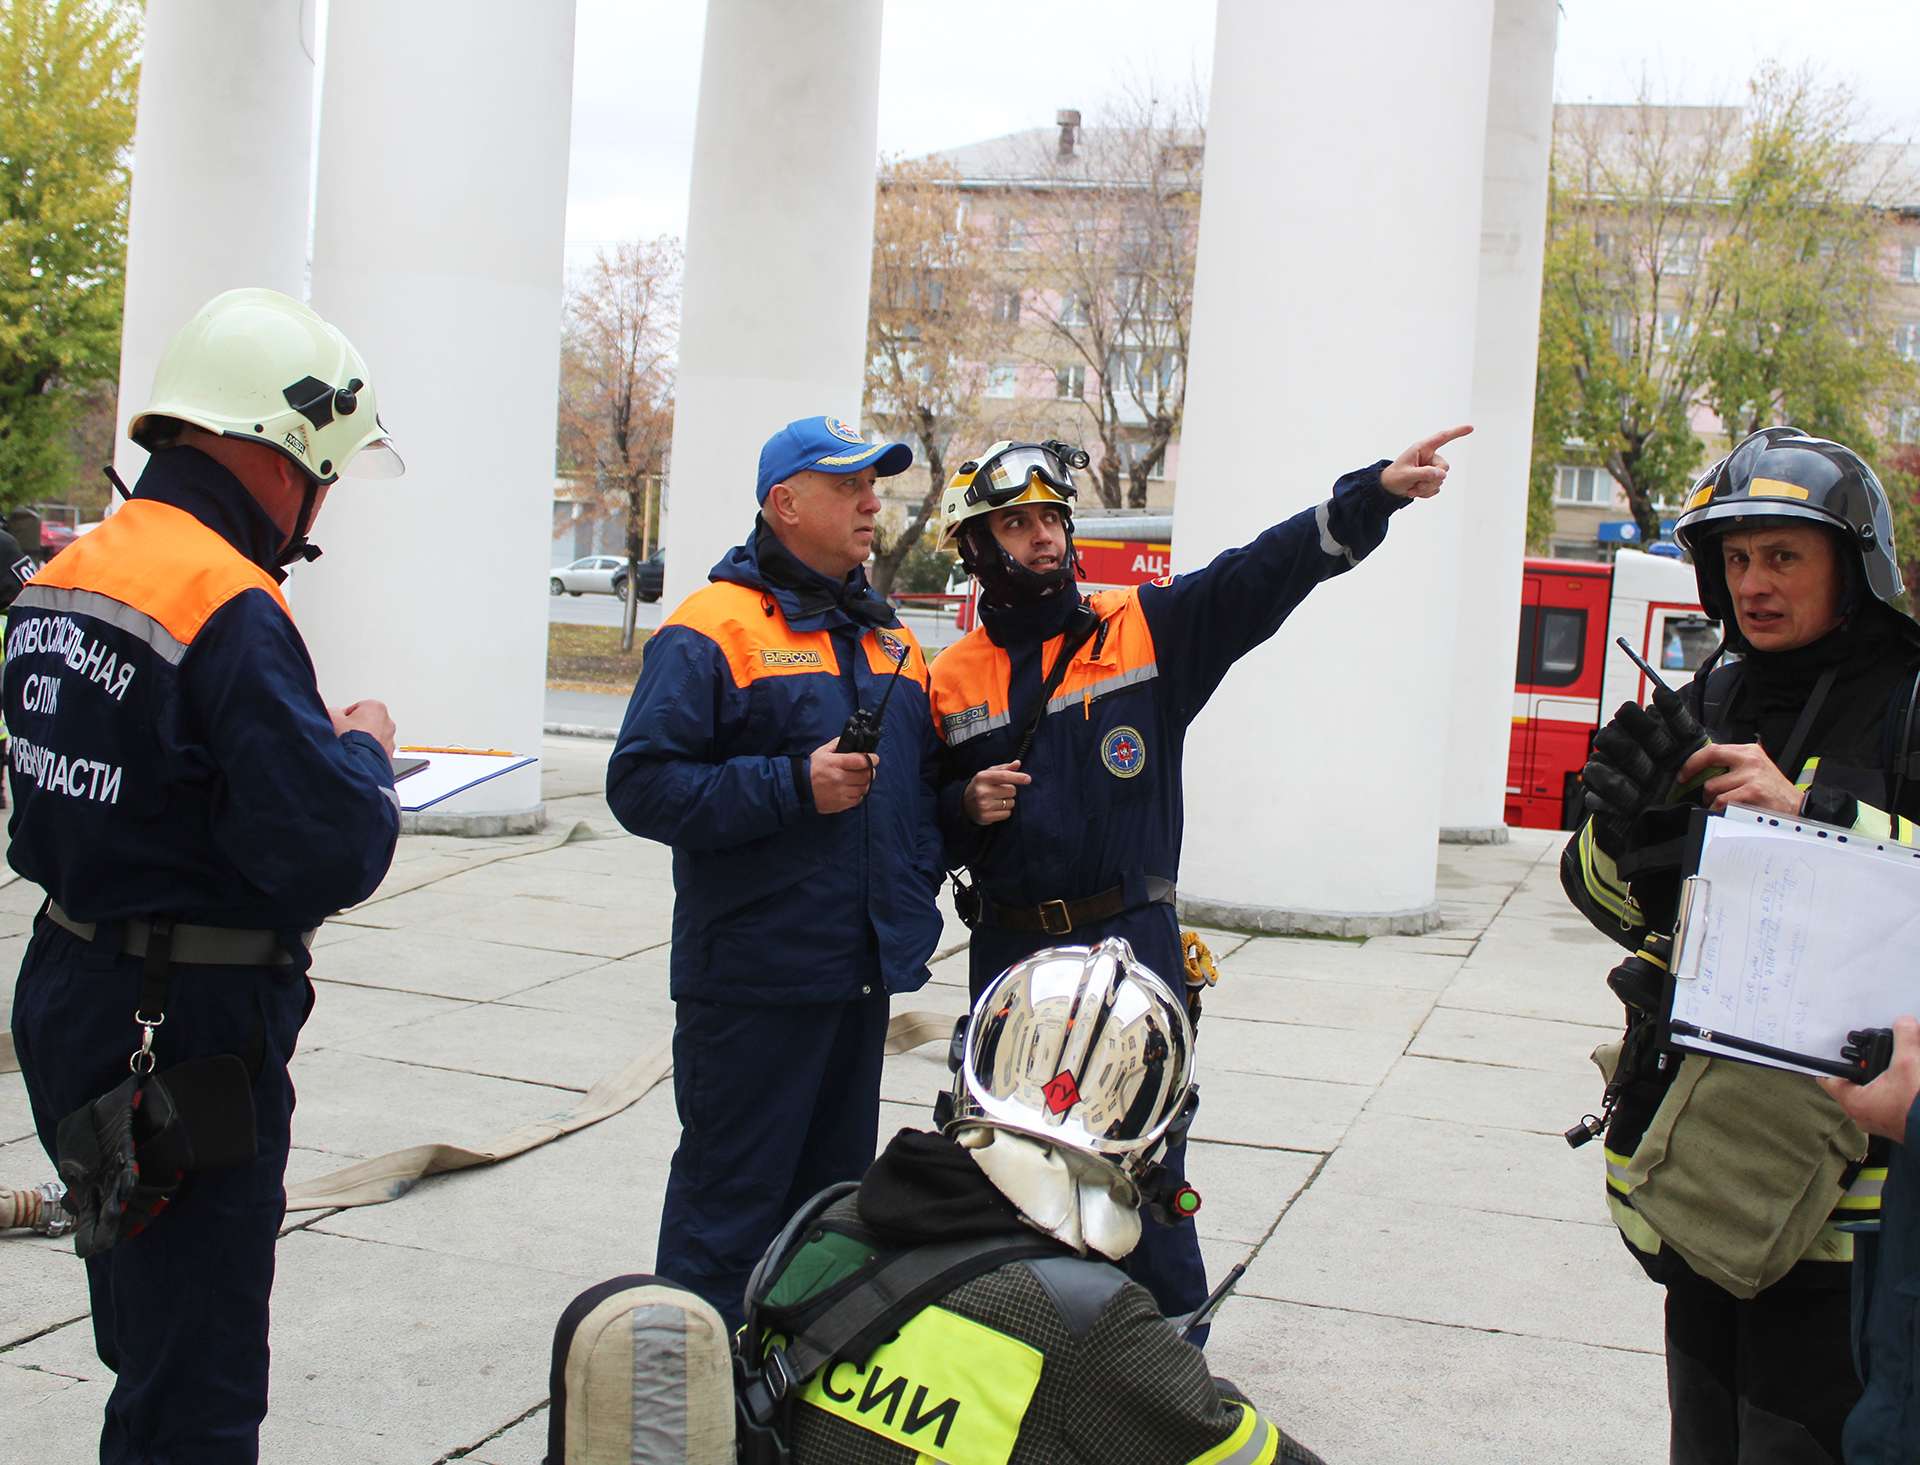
x=376 y=460
x=1003 y=478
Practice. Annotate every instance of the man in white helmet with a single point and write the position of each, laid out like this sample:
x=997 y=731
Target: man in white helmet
x=193 y=810
x=1016 y=1338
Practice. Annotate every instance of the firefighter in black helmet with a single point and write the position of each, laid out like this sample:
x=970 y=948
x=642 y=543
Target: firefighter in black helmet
x=1813 y=715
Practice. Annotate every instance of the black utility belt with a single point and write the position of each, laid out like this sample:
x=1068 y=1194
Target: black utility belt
x=1062 y=917
x=191 y=945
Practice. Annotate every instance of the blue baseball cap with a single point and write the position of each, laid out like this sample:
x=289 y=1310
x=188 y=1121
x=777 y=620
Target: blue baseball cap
x=825 y=445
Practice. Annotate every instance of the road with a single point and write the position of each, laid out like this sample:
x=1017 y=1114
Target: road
x=597 y=610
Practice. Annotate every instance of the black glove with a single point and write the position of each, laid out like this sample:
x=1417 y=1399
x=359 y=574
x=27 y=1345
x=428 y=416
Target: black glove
x=1636 y=758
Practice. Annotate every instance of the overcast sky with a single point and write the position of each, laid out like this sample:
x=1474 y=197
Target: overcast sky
x=954 y=73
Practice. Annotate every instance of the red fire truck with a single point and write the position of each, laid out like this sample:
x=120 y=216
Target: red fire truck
x=1571 y=676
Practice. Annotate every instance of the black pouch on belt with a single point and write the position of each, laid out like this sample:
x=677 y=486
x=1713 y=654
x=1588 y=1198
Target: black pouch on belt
x=124 y=1156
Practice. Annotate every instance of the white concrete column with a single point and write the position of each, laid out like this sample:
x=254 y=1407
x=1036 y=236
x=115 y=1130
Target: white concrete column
x=1333 y=325
x=1493 y=499
x=779 y=254
x=439 y=222
x=222 y=148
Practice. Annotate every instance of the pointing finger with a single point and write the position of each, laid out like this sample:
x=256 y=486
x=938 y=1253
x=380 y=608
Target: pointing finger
x=1430 y=445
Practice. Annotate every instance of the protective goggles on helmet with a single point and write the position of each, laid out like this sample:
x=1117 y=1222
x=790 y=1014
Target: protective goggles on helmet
x=1006 y=475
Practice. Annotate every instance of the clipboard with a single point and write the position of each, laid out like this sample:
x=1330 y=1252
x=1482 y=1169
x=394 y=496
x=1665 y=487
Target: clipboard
x=1791 y=935
x=440 y=773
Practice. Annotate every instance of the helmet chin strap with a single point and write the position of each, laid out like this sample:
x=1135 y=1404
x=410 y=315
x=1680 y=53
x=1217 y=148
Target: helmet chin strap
x=1004 y=579
x=297 y=549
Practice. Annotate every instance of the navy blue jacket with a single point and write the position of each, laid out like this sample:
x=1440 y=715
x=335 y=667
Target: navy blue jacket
x=170 y=754
x=1105 y=806
x=1884 y=1428
x=774 y=901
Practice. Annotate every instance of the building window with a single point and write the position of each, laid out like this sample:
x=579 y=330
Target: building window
x=1909 y=263
x=1622 y=333
x=1013 y=235
x=1073 y=309
x=1675 y=330
x=1132 y=451
x=1680 y=255
x=1001 y=378
x=1906 y=424
x=1070 y=383
x=1006 y=306
x=1590 y=487
x=1906 y=340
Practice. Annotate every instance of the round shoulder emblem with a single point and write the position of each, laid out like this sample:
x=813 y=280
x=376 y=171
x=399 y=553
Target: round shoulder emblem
x=840 y=430
x=1124 y=752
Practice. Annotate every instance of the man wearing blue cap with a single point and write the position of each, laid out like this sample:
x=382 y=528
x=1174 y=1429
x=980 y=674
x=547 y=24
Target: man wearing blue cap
x=804 y=877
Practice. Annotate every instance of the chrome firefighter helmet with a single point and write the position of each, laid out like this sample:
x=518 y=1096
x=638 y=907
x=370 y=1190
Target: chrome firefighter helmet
x=259 y=365
x=1082 y=1048
x=1782 y=473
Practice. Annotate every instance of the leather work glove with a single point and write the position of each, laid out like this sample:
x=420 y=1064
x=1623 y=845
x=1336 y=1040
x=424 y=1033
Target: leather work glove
x=1635 y=760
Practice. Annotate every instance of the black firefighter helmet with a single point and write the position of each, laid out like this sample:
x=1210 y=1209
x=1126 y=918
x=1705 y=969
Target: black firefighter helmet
x=1782 y=473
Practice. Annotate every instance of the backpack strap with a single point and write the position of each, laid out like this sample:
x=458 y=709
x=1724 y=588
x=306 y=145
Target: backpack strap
x=895 y=1290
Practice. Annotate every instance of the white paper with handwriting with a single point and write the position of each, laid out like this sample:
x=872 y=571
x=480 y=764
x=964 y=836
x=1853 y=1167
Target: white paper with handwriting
x=1796 y=933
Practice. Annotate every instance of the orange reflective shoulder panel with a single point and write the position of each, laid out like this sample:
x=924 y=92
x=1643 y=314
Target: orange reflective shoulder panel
x=1125 y=654
x=754 y=644
x=969 y=691
x=160 y=561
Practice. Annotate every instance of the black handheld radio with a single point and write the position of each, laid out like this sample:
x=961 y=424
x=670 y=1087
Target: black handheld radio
x=862 y=732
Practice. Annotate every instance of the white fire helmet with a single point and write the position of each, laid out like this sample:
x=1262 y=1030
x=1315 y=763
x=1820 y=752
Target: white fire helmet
x=260 y=365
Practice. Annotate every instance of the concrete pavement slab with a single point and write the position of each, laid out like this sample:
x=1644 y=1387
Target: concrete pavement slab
x=566 y=1049
x=1297 y=1050
x=16 y=1116
x=552 y=924
x=440 y=964
x=342 y=1013
x=57 y=1418
x=1558 y=995
x=353 y=1107
x=1340 y=961
x=1395 y=1158
x=1276 y=1113
x=1368 y=1389
x=1512 y=1042
x=1244 y=1191
x=1455 y=1264
x=1540 y=1101
x=588 y=1204
x=1323 y=1004
x=524 y=1443
x=632 y=993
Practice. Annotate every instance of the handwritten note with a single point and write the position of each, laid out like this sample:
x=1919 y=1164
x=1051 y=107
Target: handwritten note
x=1797 y=933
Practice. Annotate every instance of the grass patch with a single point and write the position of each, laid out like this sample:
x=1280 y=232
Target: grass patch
x=589 y=659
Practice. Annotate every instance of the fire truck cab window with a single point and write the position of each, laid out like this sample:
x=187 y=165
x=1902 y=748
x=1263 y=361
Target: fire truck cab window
x=1552 y=645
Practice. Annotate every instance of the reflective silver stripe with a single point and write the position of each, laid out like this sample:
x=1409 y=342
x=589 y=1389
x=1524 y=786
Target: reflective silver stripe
x=1617 y=1170
x=1867 y=1185
x=392 y=797
x=1102 y=687
x=105 y=608
x=974 y=729
x=1256 y=1444
x=1328 y=544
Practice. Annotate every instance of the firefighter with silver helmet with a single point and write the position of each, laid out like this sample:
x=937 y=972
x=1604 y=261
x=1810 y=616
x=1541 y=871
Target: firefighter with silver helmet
x=1807 y=708
x=1064 y=717
x=193 y=810
x=1018 y=1339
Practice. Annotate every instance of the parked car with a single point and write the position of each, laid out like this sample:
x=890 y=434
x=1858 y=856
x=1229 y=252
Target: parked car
x=652 y=578
x=594 y=572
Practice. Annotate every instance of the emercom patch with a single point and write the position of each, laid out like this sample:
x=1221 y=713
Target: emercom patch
x=946 y=1386
x=953 y=722
x=790 y=658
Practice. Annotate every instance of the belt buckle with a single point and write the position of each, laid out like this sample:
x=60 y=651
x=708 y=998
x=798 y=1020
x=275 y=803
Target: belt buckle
x=1048 y=909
